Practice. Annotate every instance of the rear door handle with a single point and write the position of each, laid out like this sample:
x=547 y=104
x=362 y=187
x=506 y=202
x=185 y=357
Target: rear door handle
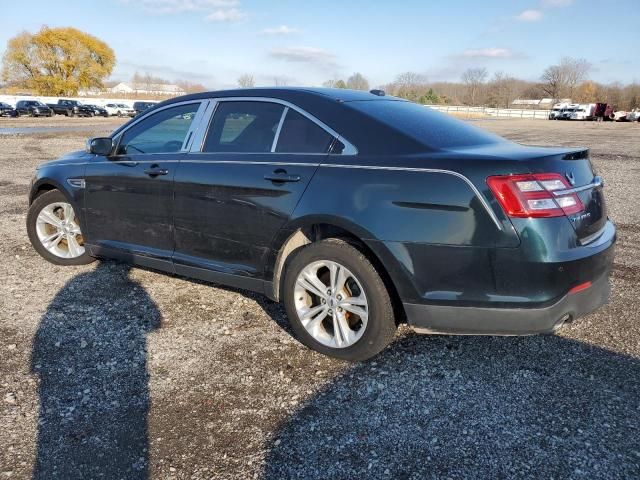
x=155 y=170
x=281 y=175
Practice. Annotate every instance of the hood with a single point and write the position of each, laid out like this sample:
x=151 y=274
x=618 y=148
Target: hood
x=79 y=156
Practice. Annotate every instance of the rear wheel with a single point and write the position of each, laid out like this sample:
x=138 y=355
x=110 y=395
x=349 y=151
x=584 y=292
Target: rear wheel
x=336 y=302
x=54 y=230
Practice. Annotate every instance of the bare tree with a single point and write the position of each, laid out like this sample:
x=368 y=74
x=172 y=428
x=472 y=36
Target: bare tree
x=357 y=81
x=246 y=81
x=576 y=71
x=553 y=81
x=280 y=81
x=503 y=89
x=474 y=79
x=562 y=80
x=335 y=83
x=191 y=87
x=409 y=85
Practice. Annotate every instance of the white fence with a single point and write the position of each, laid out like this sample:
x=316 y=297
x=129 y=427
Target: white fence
x=461 y=110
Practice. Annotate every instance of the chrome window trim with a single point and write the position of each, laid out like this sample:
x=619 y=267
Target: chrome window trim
x=279 y=129
x=203 y=127
x=195 y=124
x=117 y=134
x=595 y=183
x=349 y=148
x=473 y=188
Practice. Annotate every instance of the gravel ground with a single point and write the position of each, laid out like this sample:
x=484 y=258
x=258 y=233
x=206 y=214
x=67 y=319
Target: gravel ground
x=112 y=372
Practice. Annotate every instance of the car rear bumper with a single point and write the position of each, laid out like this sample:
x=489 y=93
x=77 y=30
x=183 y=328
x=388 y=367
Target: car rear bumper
x=508 y=321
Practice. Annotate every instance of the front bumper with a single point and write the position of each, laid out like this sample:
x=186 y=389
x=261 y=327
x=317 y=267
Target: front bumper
x=508 y=321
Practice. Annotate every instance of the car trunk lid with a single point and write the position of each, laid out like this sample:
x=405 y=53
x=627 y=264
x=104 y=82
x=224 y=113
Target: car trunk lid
x=572 y=165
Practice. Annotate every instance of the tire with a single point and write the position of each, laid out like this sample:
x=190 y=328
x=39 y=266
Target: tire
x=379 y=327
x=37 y=229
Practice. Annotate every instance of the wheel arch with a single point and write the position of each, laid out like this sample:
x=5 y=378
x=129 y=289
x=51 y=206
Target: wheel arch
x=46 y=185
x=312 y=230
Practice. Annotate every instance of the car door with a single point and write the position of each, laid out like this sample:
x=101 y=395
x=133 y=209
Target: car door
x=240 y=188
x=128 y=196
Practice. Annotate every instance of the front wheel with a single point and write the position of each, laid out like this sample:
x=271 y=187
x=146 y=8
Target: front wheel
x=54 y=230
x=336 y=302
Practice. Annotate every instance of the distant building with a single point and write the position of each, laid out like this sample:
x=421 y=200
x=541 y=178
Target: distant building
x=148 y=89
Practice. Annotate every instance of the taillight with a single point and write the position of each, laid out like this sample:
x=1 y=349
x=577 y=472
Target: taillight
x=532 y=195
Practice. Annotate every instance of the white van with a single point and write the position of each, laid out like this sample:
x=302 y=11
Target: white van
x=557 y=111
x=585 y=111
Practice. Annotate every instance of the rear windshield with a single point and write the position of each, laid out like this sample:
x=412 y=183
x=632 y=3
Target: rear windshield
x=424 y=124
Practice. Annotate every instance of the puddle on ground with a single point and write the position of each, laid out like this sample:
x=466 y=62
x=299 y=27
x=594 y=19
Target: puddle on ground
x=52 y=129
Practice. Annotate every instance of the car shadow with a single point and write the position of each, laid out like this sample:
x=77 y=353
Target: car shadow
x=90 y=356
x=469 y=407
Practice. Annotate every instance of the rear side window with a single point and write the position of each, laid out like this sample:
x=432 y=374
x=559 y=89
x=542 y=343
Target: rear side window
x=301 y=135
x=432 y=128
x=245 y=127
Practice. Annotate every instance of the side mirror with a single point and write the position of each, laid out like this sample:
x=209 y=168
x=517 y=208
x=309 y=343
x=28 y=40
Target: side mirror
x=100 y=146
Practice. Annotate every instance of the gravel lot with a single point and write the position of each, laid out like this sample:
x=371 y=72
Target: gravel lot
x=111 y=372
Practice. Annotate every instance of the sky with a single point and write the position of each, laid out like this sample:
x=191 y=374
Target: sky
x=305 y=42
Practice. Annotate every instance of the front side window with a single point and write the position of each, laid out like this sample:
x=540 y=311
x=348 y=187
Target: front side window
x=301 y=135
x=244 y=127
x=162 y=132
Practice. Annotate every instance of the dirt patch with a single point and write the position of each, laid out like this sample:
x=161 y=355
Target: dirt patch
x=115 y=371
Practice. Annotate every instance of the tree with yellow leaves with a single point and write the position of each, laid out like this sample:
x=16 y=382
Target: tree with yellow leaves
x=57 y=61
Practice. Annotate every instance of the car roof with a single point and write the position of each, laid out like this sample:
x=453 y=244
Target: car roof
x=287 y=93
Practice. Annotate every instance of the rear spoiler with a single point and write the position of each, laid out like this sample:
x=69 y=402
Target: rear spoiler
x=576 y=155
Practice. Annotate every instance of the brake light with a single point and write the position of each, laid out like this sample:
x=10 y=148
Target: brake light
x=531 y=195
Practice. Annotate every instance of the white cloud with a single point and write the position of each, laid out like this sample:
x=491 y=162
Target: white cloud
x=281 y=30
x=226 y=15
x=529 y=16
x=556 y=3
x=488 y=53
x=213 y=10
x=180 y=6
x=309 y=55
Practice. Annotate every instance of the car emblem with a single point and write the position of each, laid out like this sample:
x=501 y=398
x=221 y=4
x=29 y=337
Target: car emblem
x=571 y=178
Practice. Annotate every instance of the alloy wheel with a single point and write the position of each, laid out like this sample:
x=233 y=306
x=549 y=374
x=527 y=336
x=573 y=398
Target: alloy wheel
x=331 y=304
x=58 y=230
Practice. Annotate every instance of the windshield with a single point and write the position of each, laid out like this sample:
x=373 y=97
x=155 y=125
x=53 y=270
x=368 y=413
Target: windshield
x=428 y=126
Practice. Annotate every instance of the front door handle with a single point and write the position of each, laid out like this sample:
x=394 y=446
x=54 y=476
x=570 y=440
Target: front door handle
x=155 y=170
x=281 y=175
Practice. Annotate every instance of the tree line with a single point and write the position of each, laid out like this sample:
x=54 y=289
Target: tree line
x=569 y=78
x=63 y=61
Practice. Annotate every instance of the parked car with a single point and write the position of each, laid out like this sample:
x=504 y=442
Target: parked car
x=634 y=115
x=98 y=111
x=584 y=112
x=71 y=108
x=141 y=107
x=620 y=116
x=33 y=108
x=119 y=109
x=7 y=110
x=356 y=210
